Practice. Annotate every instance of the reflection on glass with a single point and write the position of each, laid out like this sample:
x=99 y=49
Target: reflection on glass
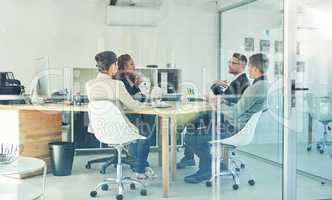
x=250 y=29
x=260 y=31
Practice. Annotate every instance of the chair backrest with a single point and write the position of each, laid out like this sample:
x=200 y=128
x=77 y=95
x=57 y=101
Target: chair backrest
x=320 y=108
x=109 y=125
x=247 y=133
x=313 y=104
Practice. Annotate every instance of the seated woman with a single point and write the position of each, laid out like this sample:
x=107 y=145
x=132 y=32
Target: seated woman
x=106 y=87
x=146 y=123
x=235 y=118
x=129 y=77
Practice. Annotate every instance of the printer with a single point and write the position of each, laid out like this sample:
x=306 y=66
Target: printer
x=11 y=90
x=9 y=85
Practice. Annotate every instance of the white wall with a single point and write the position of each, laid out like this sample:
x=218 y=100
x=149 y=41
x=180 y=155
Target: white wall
x=71 y=32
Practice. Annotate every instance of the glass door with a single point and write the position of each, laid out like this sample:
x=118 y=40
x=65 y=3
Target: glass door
x=308 y=100
x=258 y=28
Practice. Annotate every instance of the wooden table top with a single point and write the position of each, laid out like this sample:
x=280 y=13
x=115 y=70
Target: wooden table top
x=192 y=107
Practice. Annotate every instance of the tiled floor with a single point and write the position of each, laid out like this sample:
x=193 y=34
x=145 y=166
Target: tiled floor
x=312 y=162
x=268 y=185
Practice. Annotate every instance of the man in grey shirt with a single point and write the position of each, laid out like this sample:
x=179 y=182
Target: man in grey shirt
x=236 y=66
x=235 y=118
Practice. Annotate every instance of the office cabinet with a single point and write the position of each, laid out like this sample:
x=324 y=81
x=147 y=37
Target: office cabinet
x=168 y=80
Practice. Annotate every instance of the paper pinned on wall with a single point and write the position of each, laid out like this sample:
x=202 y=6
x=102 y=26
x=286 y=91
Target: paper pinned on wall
x=265 y=46
x=249 y=44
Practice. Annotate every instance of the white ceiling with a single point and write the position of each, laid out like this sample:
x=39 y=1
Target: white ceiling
x=145 y=3
x=259 y=5
x=159 y=2
x=203 y=4
x=319 y=5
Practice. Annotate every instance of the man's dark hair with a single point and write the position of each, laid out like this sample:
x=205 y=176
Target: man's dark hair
x=260 y=61
x=242 y=58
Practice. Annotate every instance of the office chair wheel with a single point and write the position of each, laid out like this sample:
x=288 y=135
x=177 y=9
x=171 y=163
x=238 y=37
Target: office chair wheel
x=318 y=146
x=88 y=166
x=308 y=148
x=243 y=166
x=236 y=187
x=321 y=151
x=233 y=153
x=93 y=194
x=144 y=192
x=208 y=184
x=251 y=182
x=132 y=186
x=237 y=169
x=119 y=197
x=102 y=171
x=104 y=187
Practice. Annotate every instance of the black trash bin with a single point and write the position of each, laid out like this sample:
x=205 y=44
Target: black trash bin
x=61 y=157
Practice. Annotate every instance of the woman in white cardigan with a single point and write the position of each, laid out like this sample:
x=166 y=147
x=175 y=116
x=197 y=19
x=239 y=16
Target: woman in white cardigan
x=105 y=87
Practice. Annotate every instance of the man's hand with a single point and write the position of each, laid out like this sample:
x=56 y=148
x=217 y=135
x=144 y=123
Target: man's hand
x=222 y=82
x=213 y=99
x=136 y=79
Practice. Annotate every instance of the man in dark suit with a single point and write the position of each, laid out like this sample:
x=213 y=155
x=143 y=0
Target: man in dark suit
x=231 y=94
x=233 y=91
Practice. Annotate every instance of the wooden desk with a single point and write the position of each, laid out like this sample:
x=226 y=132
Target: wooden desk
x=167 y=127
x=32 y=129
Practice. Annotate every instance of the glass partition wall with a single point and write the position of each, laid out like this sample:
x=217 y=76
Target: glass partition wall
x=249 y=28
x=257 y=27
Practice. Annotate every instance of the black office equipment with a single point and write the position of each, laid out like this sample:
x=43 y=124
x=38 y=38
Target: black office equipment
x=9 y=85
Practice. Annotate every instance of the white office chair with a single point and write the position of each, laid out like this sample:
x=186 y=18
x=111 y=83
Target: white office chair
x=110 y=127
x=320 y=108
x=242 y=138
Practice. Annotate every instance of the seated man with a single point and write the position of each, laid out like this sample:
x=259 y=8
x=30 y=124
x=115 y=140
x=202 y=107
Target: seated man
x=235 y=118
x=232 y=93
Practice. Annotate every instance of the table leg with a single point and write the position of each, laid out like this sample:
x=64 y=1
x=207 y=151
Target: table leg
x=44 y=179
x=309 y=130
x=158 y=140
x=226 y=157
x=72 y=124
x=164 y=124
x=174 y=150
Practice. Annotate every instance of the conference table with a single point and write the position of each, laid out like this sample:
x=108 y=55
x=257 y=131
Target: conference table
x=30 y=115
